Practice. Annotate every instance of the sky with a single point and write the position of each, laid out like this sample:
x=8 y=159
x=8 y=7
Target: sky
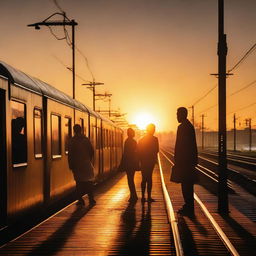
x=152 y=55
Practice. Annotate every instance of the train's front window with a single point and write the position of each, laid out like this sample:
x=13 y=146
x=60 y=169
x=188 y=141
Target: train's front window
x=38 y=133
x=19 y=134
x=56 y=136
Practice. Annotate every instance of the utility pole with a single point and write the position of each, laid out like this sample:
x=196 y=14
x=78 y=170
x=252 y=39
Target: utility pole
x=222 y=53
x=234 y=121
x=65 y=22
x=202 y=131
x=103 y=96
x=249 y=124
x=91 y=86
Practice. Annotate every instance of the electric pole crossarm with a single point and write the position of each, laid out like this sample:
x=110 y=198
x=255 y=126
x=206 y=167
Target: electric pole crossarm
x=91 y=86
x=54 y=23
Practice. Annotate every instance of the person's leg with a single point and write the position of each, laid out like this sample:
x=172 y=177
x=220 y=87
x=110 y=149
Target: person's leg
x=188 y=195
x=79 y=192
x=130 y=179
x=143 y=184
x=149 y=183
x=89 y=191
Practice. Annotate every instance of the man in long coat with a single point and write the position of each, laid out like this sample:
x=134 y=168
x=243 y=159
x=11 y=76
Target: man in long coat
x=185 y=159
x=80 y=155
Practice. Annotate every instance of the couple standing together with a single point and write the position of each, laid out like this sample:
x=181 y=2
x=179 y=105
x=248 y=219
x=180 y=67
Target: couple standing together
x=141 y=156
x=185 y=160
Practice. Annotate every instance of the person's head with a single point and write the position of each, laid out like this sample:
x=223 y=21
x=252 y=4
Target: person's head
x=130 y=133
x=18 y=124
x=77 y=129
x=182 y=114
x=151 y=129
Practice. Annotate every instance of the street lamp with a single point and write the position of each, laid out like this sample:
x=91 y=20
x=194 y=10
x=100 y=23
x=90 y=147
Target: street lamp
x=66 y=22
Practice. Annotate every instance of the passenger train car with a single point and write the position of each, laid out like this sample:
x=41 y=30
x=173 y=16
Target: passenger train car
x=36 y=123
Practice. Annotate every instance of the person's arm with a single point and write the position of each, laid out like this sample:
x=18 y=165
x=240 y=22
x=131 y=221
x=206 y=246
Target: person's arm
x=70 y=156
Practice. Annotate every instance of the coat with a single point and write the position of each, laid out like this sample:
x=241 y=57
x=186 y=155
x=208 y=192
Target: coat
x=80 y=154
x=148 y=148
x=130 y=161
x=185 y=154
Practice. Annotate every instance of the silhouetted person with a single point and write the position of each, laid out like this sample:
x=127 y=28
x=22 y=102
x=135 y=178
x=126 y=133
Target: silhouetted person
x=185 y=159
x=130 y=162
x=148 y=148
x=19 y=143
x=80 y=155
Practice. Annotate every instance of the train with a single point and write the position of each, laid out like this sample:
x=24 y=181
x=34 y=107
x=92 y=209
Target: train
x=36 y=122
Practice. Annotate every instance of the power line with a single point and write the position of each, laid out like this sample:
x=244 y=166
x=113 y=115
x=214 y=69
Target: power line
x=243 y=58
x=243 y=88
x=70 y=69
x=68 y=40
x=205 y=94
x=248 y=106
x=232 y=94
x=57 y=5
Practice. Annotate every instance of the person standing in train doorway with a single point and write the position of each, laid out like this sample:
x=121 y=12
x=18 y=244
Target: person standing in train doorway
x=185 y=159
x=130 y=162
x=148 y=148
x=80 y=155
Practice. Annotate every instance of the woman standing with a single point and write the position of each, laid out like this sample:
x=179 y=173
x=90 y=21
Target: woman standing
x=129 y=162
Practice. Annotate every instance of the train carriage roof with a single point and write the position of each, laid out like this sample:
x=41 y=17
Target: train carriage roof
x=36 y=85
x=30 y=83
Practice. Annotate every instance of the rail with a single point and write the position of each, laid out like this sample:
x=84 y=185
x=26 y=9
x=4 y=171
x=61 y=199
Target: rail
x=171 y=216
x=215 y=225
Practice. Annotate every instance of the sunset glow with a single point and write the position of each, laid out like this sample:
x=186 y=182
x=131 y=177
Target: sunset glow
x=143 y=119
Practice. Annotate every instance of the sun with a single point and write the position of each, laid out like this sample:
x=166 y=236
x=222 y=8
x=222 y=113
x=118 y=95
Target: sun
x=143 y=119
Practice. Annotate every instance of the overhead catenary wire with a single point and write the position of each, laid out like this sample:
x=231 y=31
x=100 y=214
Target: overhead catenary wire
x=70 y=69
x=243 y=88
x=232 y=94
x=205 y=95
x=69 y=41
x=243 y=108
x=243 y=58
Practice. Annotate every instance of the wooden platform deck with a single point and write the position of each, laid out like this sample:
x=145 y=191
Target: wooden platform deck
x=111 y=227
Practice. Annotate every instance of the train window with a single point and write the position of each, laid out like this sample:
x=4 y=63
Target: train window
x=67 y=132
x=56 y=136
x=38 y=133
x=19 y=134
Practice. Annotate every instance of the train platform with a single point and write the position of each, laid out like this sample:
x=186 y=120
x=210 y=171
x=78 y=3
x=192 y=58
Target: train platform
x=111 y=227
x=115 y=227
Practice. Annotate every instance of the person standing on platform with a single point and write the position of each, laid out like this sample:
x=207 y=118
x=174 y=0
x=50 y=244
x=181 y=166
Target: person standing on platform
x=185 y=159
x=130 y=163
x=148 y=148
x=80 y=155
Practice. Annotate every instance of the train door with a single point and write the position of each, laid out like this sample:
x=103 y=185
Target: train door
x=3 y=161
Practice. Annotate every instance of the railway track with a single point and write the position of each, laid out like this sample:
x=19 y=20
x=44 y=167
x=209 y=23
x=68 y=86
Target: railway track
x=242 y=190
x=223 y=238
x=236 y=160
x=238 y=173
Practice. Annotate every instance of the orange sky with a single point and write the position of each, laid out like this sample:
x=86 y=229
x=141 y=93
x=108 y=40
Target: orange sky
x=153 y=56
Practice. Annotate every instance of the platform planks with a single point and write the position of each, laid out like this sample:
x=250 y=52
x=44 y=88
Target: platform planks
x=112 y=227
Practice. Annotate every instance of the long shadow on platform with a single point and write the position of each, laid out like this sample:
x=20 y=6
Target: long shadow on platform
x=247 y=237
x=188 y=241
x=57 y=240
x=132 y=239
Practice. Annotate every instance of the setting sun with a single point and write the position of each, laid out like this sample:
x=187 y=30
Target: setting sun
x=143 y=119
